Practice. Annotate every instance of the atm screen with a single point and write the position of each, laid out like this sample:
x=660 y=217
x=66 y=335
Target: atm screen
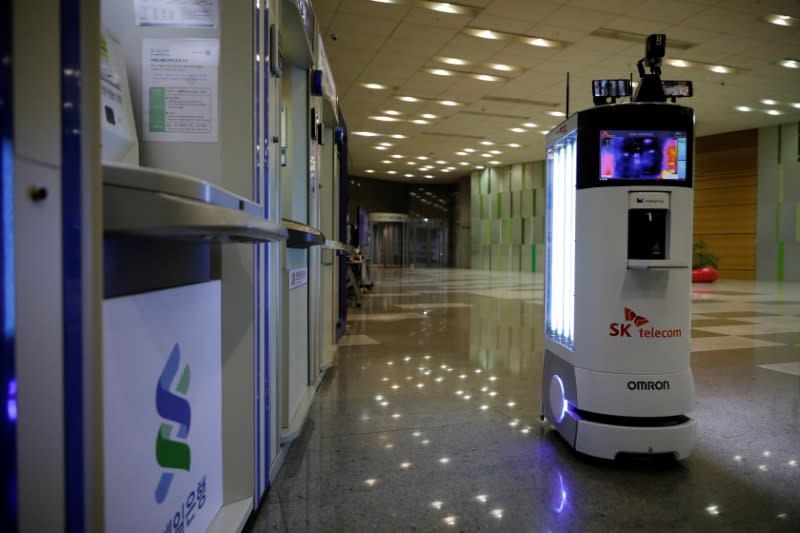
x=642 y=155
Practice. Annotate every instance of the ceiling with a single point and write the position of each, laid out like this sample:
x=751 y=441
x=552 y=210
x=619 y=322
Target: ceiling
x=393 y=42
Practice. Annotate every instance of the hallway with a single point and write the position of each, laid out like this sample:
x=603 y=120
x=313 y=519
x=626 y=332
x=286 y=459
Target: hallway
x=429 y=420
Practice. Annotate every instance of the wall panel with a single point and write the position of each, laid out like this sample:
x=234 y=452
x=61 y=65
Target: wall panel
x=726 y=181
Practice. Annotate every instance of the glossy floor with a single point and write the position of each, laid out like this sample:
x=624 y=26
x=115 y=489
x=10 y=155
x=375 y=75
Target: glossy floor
x=429 y=421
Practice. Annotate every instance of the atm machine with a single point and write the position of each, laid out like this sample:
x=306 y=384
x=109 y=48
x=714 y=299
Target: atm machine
x=617 y=377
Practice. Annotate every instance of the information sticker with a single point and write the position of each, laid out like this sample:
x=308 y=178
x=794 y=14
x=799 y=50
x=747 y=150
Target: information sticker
x=177 y=13
x=180 y=90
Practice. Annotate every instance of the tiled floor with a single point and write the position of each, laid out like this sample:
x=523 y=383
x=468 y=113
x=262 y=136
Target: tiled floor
x=436 y=427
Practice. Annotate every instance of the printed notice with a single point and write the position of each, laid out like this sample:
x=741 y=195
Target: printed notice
x=180 y=89
x=177 y=13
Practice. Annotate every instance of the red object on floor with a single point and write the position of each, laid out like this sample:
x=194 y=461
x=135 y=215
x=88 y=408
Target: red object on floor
x=704 y=275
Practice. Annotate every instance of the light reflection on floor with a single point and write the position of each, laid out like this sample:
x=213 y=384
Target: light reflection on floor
x=437 y=426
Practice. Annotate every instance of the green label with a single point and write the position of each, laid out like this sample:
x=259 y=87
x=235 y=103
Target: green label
x=158 y=109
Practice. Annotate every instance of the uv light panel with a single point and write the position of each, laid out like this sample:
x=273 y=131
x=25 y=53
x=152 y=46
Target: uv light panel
x=560 y=262
x=642 y=155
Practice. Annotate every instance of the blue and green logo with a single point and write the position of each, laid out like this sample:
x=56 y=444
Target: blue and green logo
x=172 y=452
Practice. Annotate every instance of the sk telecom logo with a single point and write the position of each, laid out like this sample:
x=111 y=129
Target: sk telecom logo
x=172 y=452
x=623 y=329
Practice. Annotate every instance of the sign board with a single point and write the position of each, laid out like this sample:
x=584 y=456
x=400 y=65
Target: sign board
x=162 y=400
x=328 y=84
x=307 y=15
x=298 y=277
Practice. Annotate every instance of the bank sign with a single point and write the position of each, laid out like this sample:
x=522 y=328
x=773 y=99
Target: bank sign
x=162 y=410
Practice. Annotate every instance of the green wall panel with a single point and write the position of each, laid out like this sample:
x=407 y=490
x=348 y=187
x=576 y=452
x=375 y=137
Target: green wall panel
x=507 y=200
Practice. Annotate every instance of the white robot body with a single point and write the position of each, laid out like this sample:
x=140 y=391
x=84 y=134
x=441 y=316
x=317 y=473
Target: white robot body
x=617 y=376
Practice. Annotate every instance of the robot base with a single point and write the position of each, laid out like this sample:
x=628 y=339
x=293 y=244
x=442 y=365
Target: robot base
x=647 y=423
x=606 y=441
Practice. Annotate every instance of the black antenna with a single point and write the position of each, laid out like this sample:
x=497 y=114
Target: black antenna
x=630 y=97
x=567 y=110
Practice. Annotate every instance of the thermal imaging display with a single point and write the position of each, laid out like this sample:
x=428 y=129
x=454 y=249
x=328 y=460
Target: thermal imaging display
x=642 y=155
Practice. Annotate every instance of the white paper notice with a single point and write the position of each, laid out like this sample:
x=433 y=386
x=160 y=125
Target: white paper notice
x=177 y=13
x=180 y=89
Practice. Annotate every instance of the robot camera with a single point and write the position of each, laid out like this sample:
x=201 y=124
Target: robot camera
x=655 y=49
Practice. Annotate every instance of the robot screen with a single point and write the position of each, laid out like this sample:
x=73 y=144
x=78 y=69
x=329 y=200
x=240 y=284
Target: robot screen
x=642 y=155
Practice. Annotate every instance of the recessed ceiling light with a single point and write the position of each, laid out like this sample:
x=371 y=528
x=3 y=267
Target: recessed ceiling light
x=408 y=99
x=501 y=67
x=514 y=145
x=486 y=155
x=392 y=172
x=408 y=175
x=461 y=153
x=789 y=63
x=447 y=7
x=680 y=63
x=487 y=143
x=440 y=162
x=768 y=101
x=383 y=118
x=429 y=176
x=374 y=86
x=392 y=112
x=379 y=147
x=422 y=158
x=530 y=125
x=469 y=150
x=743 y=108
x=782 y=20
x=439 y=71
x=480 y=167
x=494 y=162
x=429 y=116
x=542 y=43
x=452 y=61
x=500 y=35
x=719 y=69
x=544 y=132
x=486 y=77
x=463 y=163
x=556 y=113
x=486 y=34
x=518 y=130
x=366 y=134
x=385 y=144
x=796 y=105
x=397 y=136
x=774 y=112
x=386 y=162
x=369 y=171
x=495 y=152
x=412 y=163
x=445 y=170
x=638 y=38
x=449 y=103
x=420 y=121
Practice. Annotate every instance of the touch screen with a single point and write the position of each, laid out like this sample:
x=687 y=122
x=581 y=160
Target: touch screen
x=642 y=155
